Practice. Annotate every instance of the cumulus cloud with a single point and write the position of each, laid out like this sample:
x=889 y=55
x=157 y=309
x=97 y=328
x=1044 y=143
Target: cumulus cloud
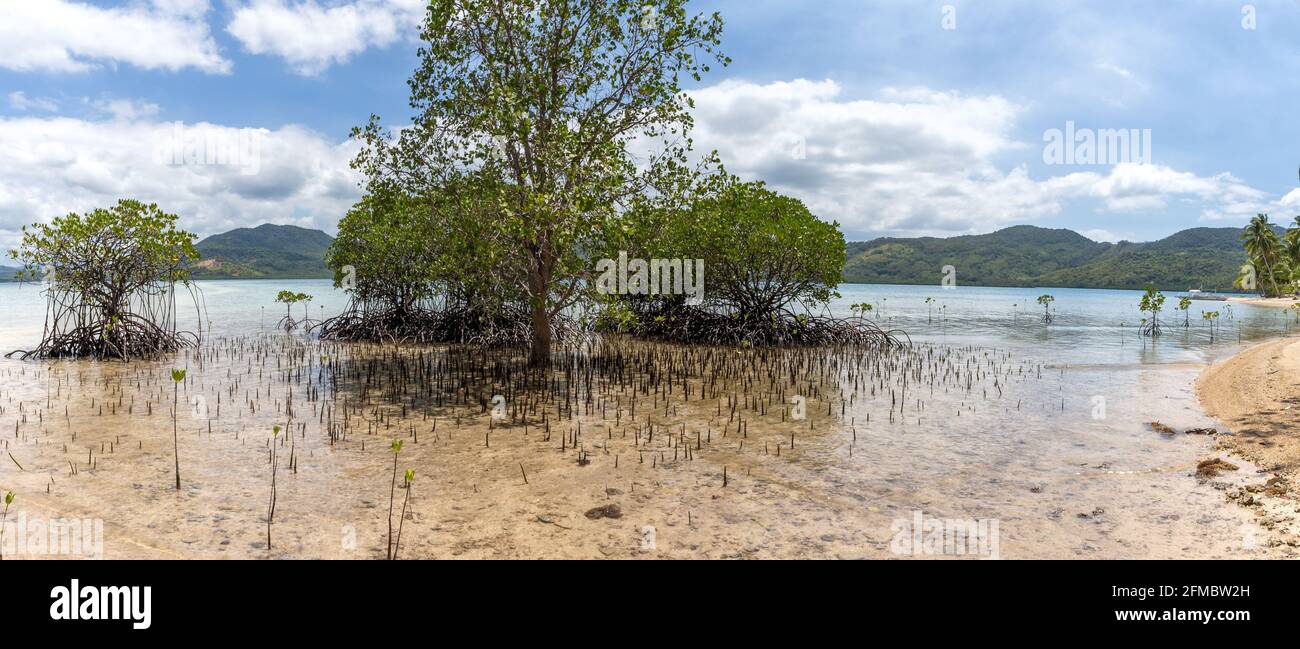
x=126 y=109
x=214 y=177
x=915 y=161
x=18 y=100
x=1291 y=201
x=908 y=162
x=312 y=36
x=67 y=36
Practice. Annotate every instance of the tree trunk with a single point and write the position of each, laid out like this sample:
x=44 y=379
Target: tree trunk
x=541 y=345
x=540 y=354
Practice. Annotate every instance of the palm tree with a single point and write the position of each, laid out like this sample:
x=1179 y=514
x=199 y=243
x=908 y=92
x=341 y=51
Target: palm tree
x=1291 y=242
x=1265 y=250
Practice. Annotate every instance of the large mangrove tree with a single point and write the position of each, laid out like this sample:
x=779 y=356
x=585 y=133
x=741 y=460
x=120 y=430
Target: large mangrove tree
x=536 y=106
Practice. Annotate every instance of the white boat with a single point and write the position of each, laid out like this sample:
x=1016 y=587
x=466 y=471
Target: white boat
x=1198 y=294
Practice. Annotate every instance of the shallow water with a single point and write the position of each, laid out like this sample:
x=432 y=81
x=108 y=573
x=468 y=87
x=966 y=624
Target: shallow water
x=1049 y=439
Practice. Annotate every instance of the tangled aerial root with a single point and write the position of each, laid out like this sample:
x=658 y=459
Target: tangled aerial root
x=694 y=325
x=129 y=337
x=420 y=325
x=143 y=326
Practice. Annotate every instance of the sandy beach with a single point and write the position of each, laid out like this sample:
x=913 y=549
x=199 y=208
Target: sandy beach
x=1275 y=302
x=1256 y=394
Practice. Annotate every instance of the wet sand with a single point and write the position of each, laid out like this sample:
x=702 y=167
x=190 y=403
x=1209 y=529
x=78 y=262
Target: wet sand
x=1256 y=393
x=978 y=434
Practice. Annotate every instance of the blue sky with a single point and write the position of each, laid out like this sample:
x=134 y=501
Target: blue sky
x=893 y=117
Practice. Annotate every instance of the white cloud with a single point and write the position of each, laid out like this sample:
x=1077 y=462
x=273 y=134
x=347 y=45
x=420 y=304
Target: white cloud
x=921 y=162
x=127 y=109
x=18 y=100
x=312 y=36
x=66 y=36
x=1116 y=69
x=1105 y=236
x=1291 y=201
x=214 y=177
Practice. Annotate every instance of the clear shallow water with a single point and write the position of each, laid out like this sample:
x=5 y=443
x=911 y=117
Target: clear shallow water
x=1090 y=326
x=1060 y=452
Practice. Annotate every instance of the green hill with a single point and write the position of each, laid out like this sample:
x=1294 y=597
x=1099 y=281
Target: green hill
x=1025 y=255
x=1022 y=255
x=266 y=251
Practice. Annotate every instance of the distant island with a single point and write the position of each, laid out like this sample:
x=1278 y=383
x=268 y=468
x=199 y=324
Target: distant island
x=1023 y=255
x=267 y=251
x=264 y=252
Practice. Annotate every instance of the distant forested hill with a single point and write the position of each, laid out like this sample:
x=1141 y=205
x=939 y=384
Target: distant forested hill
x=266 y=251
x=1025 y=255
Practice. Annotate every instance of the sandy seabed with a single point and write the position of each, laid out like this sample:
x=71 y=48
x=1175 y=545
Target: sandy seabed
x=648 y=452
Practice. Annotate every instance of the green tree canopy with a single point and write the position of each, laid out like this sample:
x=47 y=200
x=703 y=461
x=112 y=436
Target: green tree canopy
x=538 y=104
x=384 y=252
x=762 y=251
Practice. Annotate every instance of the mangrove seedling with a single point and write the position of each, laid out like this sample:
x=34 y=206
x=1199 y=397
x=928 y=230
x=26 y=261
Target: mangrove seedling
x=392 y=491
x=1046 y=301
x=9 y=499
x=177 y=377
x=270 y=505
x=1185 y=305
x=407 y=480
x=290 y=298
x=929 y=310
x=1152 y=302
x=1210 y=318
